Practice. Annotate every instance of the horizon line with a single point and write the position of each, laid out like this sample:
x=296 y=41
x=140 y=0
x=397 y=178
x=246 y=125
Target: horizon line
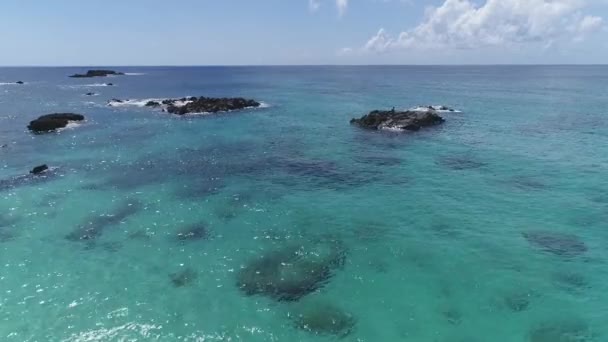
x=293 y=65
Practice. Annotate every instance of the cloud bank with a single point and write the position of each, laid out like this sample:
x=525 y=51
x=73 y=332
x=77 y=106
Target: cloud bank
x=461 y=24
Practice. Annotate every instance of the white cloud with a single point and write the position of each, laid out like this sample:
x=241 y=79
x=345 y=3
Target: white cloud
x=463 y=24
x=342 y=6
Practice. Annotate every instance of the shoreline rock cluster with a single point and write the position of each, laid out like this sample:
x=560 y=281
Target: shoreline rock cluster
x=189 y=105
x=98 y=73
x=398 y=120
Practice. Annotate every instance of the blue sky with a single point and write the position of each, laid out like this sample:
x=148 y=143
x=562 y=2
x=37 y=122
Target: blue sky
x=252 y=32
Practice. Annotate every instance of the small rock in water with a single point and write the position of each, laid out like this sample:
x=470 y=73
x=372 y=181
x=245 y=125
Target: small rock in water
x=39 y=169
x=561 y=331
x=183 y=278
x=109 y=84
x=52 y=122
x=561 y=244
x=19 y=82
x=97 y=73
x=153 y=104
x=321 y=318
x=193 y=233
x=208 y=105
x=395 y=120
x=90 y=94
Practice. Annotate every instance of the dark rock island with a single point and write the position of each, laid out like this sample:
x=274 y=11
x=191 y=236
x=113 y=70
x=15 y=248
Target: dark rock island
x=98 y=73
x=52 y=122
x=188 y=105
x=396 y=120
x=39 y=169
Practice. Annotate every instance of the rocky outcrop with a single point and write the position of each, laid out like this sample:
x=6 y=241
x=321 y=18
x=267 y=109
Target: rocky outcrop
x=97 y=73
x=396 y=120
x=207 y=105
x=39 y=169
x=52 y=122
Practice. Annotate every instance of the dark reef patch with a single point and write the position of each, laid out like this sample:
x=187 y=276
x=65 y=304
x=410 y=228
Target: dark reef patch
x=380 y=160
x=323 y=318
x=452 y=316
x=571 y=330
x=94 y=228
x=183 y=278
x=517 y=301
x=460 y=163
x=527 y=183
x=26 y=180
x=560 y=244
x=570 y=281
x=292 y=272
x=194 y=232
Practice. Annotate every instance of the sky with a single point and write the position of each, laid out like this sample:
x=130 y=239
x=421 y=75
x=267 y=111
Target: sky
x=302 y=32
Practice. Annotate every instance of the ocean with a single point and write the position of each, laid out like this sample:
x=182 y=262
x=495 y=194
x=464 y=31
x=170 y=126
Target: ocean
x=490 y=227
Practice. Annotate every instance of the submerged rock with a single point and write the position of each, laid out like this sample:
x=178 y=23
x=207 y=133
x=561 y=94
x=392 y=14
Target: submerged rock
x=561 y=244
x=97 y=73
x=193 y=233
x=396 y=120
x=561 y=331
x=293 y=272
x=39 y=169
x=183 y=278
x=90 y=94
x=28 y=179
x=518 y=301
x=52 y=122
x=321 y=318
x=461 y=163
x=95 y=227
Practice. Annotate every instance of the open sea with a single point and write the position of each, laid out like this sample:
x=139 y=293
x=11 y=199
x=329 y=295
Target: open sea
x=490 y=227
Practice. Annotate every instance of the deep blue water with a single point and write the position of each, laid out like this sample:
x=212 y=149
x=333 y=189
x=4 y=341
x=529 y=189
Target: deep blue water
x=491 y=227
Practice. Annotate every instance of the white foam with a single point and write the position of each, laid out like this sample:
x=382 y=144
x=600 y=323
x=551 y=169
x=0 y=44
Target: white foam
x=9 y=83
x=70 y=125
x=436 y=108
x=134 y=73
x=132 y=103
x=392 y=129
x=92 y=85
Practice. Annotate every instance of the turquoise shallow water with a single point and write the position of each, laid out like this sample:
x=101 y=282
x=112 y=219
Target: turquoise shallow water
x=491 y=227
